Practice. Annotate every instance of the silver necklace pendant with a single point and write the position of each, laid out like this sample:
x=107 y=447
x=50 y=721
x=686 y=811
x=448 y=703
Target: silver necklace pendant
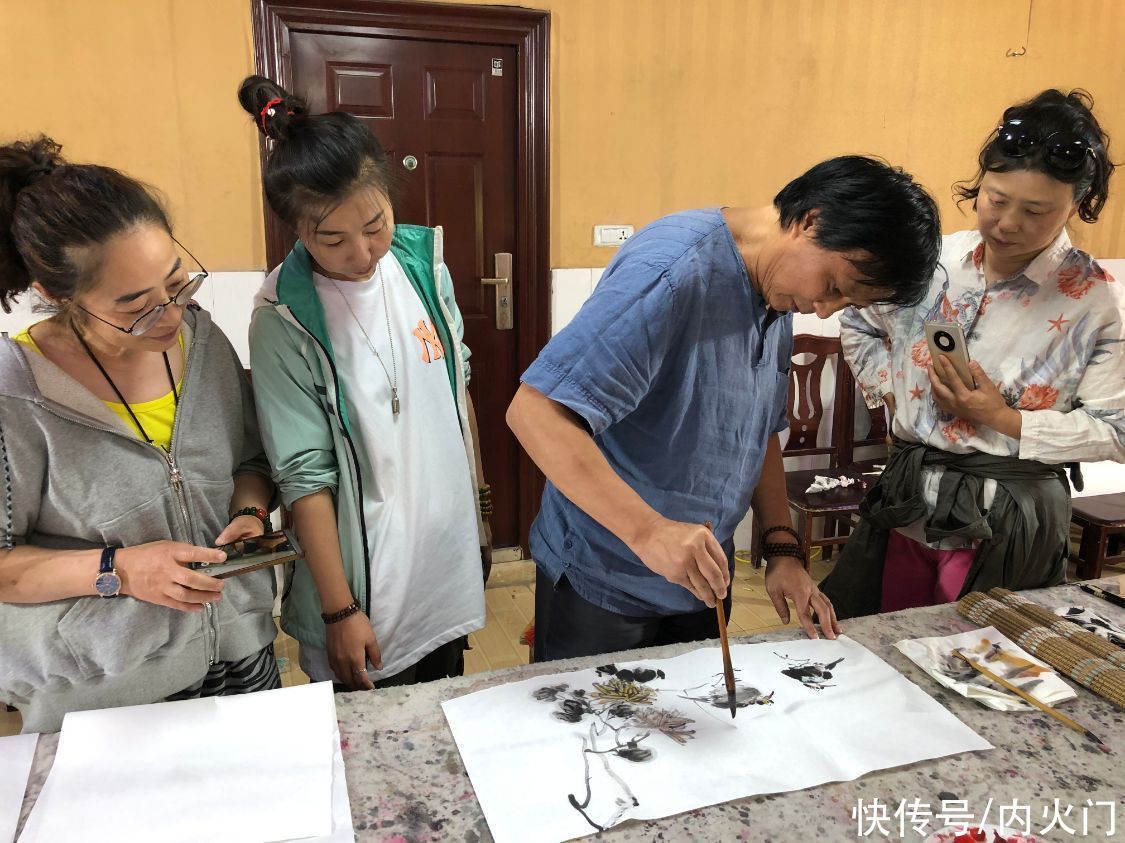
x=392 y=380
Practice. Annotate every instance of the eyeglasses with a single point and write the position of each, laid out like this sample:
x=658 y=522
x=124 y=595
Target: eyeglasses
x=147 y=320
x=1064 y=151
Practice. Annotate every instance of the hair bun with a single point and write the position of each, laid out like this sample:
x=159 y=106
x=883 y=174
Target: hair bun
x=25 y=162
x=276 y=112
x=22 y=164
x=37 y=171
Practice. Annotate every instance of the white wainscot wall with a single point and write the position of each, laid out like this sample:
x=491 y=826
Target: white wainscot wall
x=229 y=297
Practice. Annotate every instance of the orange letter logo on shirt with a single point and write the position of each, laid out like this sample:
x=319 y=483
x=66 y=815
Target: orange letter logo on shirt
x=431 y=346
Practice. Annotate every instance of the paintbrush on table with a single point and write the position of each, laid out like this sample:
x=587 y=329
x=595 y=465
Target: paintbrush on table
x=728 y=668
x=1109 y=596
x=1024 y=695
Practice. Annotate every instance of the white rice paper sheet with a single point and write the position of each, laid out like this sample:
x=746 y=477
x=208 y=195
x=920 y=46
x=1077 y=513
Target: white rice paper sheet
x=558 y=757
x=253 y=767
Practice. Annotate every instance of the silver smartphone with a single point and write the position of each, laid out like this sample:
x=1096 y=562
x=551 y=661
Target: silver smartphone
x=949 y=339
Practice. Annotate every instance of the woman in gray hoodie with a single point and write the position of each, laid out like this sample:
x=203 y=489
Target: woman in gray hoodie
x=128 y=449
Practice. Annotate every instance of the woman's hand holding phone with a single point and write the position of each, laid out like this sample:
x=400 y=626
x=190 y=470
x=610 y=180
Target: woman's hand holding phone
x=160 y=573
x=982 y=405
x=947 y=339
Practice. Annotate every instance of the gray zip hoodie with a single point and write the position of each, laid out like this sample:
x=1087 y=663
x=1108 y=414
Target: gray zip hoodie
x=72 y=475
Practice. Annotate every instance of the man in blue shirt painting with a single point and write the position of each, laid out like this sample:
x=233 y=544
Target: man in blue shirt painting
x=658 y=408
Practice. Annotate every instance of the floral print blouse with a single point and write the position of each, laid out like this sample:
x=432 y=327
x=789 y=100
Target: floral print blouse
x=1052 y=337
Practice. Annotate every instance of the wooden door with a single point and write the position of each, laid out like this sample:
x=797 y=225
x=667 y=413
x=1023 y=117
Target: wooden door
x=451 y=111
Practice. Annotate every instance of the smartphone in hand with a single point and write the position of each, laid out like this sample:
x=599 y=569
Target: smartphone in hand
x=255 y=553
x=949 y=339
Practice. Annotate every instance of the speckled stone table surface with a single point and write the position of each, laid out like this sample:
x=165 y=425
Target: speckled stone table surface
x=407 y=783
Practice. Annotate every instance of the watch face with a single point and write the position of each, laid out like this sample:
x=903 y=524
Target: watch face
x=108 y=584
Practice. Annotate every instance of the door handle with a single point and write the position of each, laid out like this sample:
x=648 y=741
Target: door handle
x=503 y=284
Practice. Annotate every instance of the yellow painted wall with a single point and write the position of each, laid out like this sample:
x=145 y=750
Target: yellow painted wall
x=657 y=105
x=660 y=105
x=147 y=86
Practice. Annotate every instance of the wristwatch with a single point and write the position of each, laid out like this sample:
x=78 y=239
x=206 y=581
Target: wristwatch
x=108 y=583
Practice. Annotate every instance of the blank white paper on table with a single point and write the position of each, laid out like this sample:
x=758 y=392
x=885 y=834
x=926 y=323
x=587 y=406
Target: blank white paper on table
x=253 y=767
x=16 y=754
x=593 y=748
x=342 y=829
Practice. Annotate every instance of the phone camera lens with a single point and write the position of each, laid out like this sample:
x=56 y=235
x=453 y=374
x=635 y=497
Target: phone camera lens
x=944 y=341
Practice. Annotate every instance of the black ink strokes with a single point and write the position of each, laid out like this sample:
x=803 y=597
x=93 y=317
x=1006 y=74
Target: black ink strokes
x=550 y=693
x=572 y=710
x=630 y=674
x=1091 y=621
x=811 y=674
x=744 y=696
x=619 y=715
x=620 y=709
x=632 y=752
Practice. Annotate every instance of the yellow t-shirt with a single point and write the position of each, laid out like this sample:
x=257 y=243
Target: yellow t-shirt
x=157 y=416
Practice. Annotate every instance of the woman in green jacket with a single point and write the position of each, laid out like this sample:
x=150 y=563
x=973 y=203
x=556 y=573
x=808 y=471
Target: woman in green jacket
x=360 y=380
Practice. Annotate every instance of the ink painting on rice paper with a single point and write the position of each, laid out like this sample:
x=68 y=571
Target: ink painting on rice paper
x=589 y=749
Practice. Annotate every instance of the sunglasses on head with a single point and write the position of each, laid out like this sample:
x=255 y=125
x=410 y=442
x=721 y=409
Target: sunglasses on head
x=1064 y=151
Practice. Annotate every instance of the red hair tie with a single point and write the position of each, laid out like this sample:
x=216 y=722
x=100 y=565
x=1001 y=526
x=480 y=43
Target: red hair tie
x=265 y=110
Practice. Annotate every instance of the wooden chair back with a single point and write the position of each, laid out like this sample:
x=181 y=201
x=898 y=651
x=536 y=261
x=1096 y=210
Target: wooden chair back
x=806 y=408
x=851 y=402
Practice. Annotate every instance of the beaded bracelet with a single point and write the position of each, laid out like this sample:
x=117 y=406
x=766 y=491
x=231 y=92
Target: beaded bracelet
x=346 y=612
x=484 y=500
x=780 y=528
x=772 y=549
x=258 y=513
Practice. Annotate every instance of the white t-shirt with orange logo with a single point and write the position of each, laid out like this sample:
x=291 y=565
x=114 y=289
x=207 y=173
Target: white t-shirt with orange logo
x=426 y=582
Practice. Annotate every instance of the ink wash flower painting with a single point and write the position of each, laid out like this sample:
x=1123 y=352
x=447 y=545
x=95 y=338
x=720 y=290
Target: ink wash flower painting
x=593 y=748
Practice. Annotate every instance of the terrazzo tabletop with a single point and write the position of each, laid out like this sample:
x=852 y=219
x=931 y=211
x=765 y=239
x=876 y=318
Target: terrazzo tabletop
x=406 y=780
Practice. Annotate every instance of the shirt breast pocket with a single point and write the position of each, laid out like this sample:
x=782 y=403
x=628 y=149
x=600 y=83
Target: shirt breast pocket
x=751 y=412
x=779 y=400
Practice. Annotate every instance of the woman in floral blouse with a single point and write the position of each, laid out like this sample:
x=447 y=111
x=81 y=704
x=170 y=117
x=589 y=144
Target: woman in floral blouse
x=974 y=495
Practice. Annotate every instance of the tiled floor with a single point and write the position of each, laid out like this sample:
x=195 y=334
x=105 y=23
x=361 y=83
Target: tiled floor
x=510 y=602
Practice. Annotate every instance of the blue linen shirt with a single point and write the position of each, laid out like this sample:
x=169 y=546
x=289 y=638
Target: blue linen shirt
x=680 y=371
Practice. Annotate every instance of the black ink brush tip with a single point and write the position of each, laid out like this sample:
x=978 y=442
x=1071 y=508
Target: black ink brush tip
x=732 y=703
x=1102 y=745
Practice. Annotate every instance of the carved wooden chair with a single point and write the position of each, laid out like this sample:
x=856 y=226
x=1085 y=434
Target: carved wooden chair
x=806 y=417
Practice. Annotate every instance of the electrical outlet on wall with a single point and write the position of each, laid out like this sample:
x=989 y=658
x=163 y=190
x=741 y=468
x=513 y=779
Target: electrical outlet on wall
x=612 y=235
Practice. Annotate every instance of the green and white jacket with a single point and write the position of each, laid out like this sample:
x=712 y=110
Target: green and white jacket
x=304 y=414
